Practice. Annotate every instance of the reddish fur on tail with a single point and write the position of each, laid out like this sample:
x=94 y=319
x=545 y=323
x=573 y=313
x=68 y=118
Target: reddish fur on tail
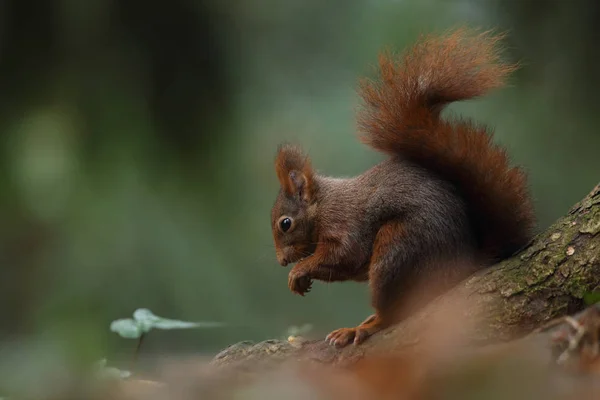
x=401 y=117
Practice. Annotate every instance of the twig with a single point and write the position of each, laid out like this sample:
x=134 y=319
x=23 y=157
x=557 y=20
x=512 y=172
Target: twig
x=137 y=351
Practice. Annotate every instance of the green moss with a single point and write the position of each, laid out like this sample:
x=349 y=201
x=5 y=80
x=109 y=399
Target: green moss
x=591 y=222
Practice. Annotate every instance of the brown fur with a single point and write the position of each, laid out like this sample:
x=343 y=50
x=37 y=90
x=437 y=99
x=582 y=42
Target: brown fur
x=445 y=202
x=401 y=118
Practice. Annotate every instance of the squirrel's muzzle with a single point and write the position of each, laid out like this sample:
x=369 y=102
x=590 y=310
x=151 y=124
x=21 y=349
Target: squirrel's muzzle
x=281 y=258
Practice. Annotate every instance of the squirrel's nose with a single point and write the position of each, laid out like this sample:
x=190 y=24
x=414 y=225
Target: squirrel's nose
x=282 y=259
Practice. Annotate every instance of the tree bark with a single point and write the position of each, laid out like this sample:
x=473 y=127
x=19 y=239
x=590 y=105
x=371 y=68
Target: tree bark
x=546 y=280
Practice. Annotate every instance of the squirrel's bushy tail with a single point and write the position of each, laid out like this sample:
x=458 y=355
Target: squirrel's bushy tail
x=401 y=117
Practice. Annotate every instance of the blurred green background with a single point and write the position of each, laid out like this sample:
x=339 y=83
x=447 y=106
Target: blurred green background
x=138 y=140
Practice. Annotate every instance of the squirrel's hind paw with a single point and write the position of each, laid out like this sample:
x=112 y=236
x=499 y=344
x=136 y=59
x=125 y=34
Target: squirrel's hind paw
x=344 y=336
x=341 y=337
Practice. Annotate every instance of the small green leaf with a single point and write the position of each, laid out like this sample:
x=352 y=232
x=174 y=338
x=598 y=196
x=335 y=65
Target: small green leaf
x=127 y=328
x=124 y=374
x=165 y=323
x=101 y=371
x=590 y=298
x=147 y=320
x=110 y=373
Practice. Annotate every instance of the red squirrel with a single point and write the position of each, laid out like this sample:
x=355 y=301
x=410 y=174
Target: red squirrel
x=444 y=203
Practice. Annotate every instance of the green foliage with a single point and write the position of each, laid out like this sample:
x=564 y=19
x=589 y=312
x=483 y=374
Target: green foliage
x=591 y=298
x=102 y=372
x=144 y=321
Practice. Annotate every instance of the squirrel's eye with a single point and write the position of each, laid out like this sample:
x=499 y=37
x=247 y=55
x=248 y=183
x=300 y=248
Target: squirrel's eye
x=285 y=224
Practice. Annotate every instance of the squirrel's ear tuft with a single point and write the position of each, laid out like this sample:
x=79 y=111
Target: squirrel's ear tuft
x=294 y=171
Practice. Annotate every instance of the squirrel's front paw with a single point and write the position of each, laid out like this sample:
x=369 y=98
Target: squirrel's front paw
x=299 y=282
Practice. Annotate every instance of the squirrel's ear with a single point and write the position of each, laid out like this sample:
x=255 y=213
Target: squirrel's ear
x=300 y=185
x=294 y=172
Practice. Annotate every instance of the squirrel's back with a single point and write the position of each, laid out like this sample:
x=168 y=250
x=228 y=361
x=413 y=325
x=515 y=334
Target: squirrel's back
x=401 y=117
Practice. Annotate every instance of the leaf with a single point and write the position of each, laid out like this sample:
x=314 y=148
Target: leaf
x=590 y=298
x=127 y=328
x=113 y=373
x=165 y=323
x=101 y=371
x=123 y=374
x=147 y=320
